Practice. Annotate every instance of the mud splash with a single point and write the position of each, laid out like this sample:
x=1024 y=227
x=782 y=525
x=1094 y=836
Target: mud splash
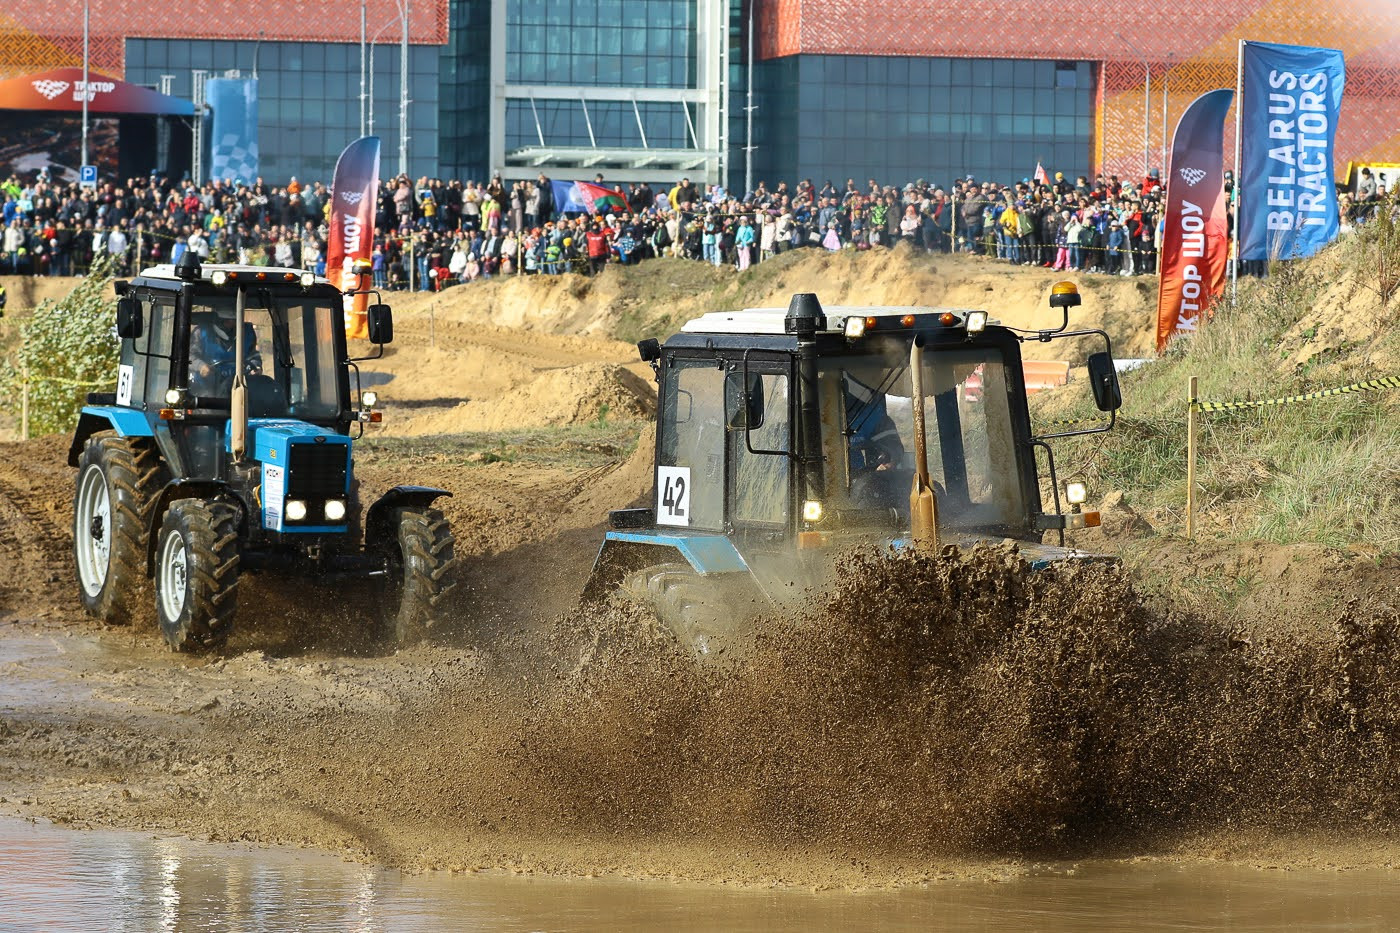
x=952 y=705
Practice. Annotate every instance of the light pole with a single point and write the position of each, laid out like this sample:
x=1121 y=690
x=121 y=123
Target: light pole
x=1165 y=77
x=372 y=42
x=403 y=91
x=257 y=46
x=364 y=13
x=87 y=79
x=1146 y=102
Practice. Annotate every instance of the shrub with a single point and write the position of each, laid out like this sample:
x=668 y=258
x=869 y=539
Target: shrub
x=68 y=348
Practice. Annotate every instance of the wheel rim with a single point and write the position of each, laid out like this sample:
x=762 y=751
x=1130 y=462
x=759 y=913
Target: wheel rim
x=92 y=532
x=174 y=571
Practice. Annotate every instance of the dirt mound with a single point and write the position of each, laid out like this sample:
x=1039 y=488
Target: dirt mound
x=27 y=291
x=554 y=397
x=655 y=297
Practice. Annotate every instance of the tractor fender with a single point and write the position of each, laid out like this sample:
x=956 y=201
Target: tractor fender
x=625 y=551
x=379 y=529
x=127 y=422
x=186 y=489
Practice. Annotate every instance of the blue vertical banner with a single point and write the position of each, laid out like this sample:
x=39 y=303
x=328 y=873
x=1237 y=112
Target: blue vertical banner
x=1291 y=98
x=233 y=128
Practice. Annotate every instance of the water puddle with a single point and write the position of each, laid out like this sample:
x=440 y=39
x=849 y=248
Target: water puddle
x=53 y=878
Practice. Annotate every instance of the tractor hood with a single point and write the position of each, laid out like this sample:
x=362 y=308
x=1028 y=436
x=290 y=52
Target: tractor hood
x=270 y=438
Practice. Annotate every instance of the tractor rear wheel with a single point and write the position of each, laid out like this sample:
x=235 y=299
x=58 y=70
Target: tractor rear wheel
x=197 y=574
x=705 y=615
x=421 y=564
x=119 y=479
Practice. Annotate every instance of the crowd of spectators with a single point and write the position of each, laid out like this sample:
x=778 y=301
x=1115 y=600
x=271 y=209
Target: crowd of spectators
x=437 y=233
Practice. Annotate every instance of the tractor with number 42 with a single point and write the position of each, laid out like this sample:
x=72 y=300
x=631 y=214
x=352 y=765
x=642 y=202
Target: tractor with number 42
x=786 y=436
x=226 y=449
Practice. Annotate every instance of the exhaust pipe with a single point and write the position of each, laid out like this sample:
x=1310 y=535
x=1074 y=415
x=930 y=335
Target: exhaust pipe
x=923 y=504
x=238 y=402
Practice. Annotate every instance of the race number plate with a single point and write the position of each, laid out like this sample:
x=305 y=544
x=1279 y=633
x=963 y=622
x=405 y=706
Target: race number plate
x=673 y=495
x=126 y=375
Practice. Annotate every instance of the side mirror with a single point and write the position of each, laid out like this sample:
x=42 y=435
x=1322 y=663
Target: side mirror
x=130 y=324
x=1103 y=377
x=745 y=402
x=650 y=349
x=381 y=324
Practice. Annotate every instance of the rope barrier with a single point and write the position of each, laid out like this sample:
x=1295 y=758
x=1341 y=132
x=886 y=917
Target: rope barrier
x=1385 y=382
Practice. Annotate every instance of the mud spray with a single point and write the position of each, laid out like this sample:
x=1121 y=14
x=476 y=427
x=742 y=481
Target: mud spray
x=927 y=708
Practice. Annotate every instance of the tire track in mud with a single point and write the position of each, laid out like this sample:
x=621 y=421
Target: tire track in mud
x=538 y=350
x=34 y=534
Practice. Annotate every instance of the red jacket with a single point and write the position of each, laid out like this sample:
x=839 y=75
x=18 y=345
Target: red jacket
x=597 y=244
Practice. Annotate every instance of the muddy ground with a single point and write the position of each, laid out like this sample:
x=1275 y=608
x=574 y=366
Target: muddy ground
x=914 y=720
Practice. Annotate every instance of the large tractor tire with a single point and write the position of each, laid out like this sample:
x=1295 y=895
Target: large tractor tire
x=705 y=616
x=421 y=564
x=197 y=574
x=119 y=479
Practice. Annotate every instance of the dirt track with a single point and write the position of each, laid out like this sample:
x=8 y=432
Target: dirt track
x=1096 y=722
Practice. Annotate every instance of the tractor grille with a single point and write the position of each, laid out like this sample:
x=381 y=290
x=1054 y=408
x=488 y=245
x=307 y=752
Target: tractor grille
x=317 y=471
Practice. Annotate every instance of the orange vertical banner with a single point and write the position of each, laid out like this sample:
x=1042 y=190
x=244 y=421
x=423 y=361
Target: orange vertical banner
x=354 y=192
x=1195 y=240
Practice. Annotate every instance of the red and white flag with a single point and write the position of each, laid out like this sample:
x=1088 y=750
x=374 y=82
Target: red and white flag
x=1041 y=176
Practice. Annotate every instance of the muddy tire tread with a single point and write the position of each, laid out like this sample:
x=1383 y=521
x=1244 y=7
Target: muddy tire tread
x=135 y=476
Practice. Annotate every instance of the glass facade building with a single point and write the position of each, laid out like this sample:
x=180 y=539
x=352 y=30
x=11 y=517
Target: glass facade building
x=601 y=43
x=464 y=123
x=309 y=97
x=896 y=119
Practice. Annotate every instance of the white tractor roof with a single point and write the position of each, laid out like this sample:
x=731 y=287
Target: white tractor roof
x=166 y=270
x=771 y=320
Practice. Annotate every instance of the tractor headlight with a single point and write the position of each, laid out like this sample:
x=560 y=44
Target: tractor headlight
x=812 y=511
x=976 y=321
x=296 y=510
x=174 y=397
x=369 y=399
x=335 y=510
x=1076 y=493
x=308 y=279
x=855 y=327
x=219 y=277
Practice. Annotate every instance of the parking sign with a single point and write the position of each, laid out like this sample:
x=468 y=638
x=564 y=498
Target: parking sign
x=87 y=176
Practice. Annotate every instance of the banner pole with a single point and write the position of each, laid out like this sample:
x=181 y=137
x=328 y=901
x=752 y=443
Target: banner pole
x=1191 y=416
x=1235 y=194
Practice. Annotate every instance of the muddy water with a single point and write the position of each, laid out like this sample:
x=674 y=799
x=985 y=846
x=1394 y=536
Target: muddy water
x=53 y=878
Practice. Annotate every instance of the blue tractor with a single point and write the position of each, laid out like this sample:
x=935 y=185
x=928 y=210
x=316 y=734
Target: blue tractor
x=226 y=449
x=785 y=435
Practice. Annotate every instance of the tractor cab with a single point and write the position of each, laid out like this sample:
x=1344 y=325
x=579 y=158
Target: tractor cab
x=783 y=434
x=233 y=404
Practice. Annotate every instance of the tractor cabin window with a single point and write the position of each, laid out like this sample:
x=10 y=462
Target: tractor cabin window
x=692 y=427
x=758 y=419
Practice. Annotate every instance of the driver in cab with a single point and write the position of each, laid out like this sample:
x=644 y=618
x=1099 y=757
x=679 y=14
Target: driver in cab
x=213 y=355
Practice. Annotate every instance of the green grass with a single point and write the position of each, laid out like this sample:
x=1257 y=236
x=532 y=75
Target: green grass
x=1325 y=471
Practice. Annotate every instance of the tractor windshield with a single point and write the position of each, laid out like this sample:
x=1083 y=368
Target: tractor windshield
x=868 y=433
x=289 y=354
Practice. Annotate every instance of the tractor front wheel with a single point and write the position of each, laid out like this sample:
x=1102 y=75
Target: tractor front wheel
x=421 y=564
x=706 y=616
x=197 y=574
x=118 y=481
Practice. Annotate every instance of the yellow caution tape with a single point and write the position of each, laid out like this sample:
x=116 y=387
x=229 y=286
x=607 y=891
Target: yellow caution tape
x=1385 y=382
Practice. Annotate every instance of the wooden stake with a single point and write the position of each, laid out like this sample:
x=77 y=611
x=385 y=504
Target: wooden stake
x=1191 y=417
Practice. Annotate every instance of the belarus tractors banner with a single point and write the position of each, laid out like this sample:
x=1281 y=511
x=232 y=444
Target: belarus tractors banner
x=1195 y=248
x=354 y=192
x=1290 y=99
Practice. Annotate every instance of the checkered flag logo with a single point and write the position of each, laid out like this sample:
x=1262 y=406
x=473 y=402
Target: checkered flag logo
x=352 y=197
x=50 y=89
x=1192 y=176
